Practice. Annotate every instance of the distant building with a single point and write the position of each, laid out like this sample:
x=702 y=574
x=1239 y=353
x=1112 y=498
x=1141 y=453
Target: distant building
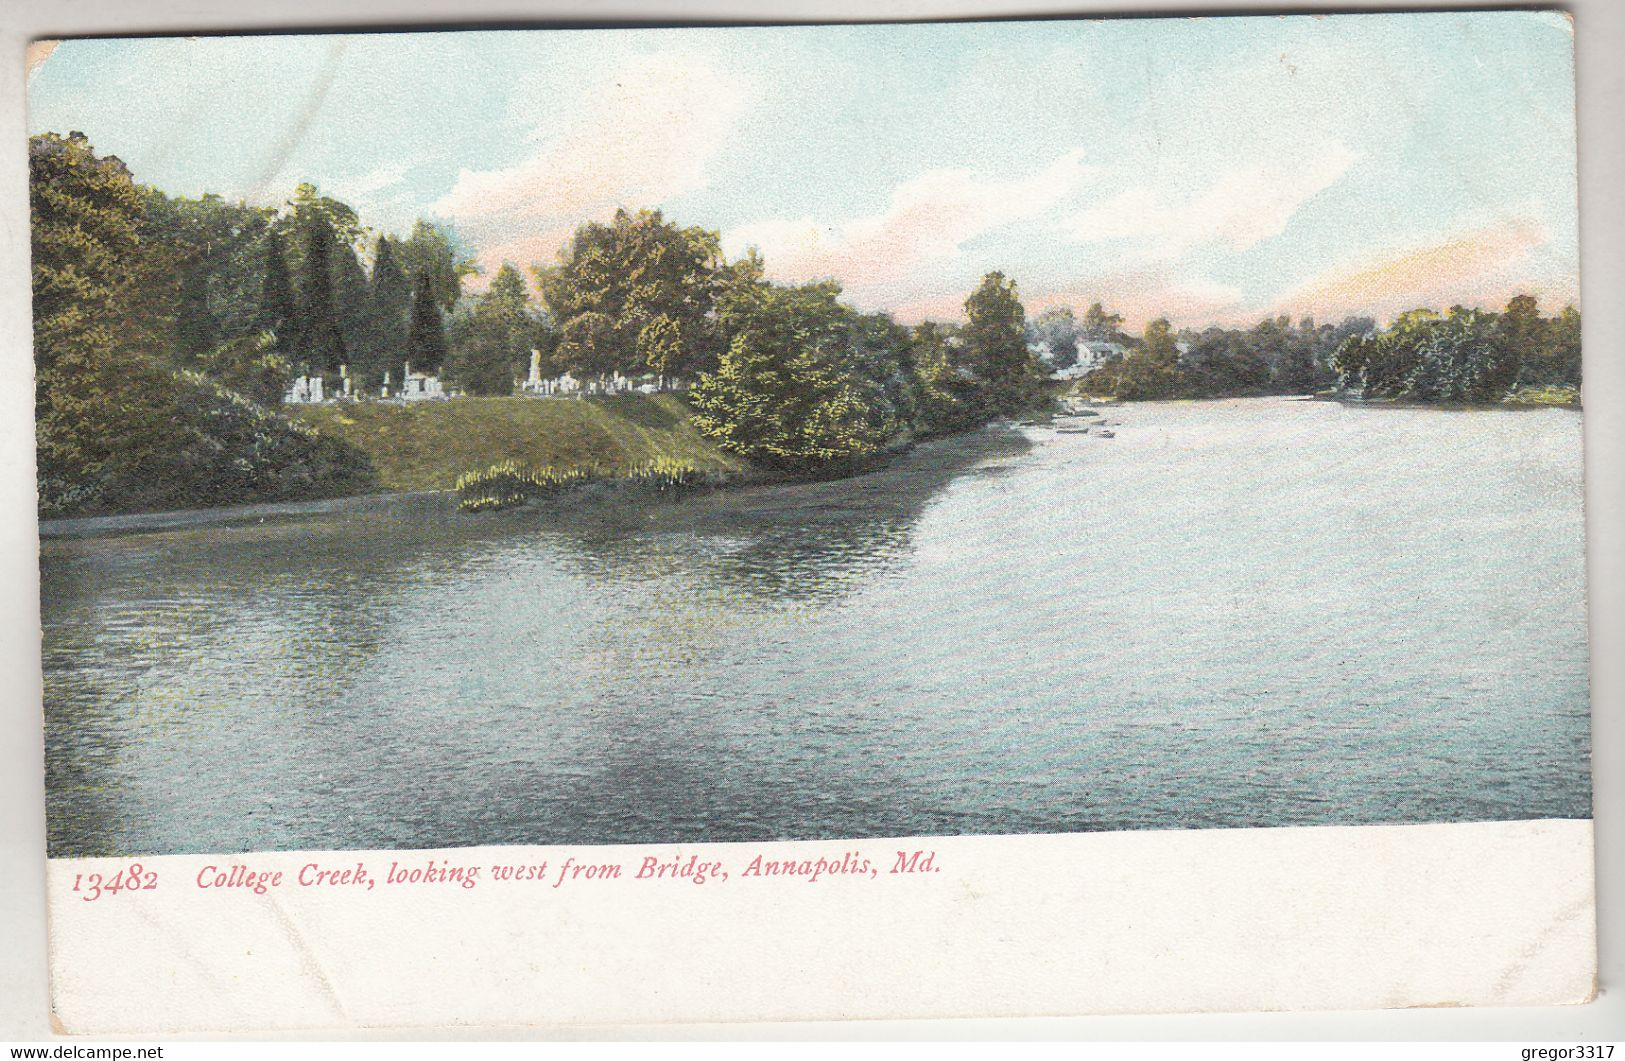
x=1096 y=352
x=1092 y=353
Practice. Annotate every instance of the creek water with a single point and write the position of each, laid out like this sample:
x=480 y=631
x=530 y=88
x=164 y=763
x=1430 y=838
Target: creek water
x=1239 y=613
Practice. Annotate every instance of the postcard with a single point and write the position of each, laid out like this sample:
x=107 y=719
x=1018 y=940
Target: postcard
x=579 y=526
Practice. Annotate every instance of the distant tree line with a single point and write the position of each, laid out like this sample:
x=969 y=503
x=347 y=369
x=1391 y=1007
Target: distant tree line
x=1462 y=355
x=168 y=329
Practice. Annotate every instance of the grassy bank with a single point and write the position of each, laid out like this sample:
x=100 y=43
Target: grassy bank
x=428 y=445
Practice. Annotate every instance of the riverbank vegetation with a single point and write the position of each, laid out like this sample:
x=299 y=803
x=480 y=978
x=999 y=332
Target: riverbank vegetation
x=429 y=445
x=168 y=329
x=510 y=483
x=1463 y=355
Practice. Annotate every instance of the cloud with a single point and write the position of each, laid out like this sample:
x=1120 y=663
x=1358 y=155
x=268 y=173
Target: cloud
x=646 y=138
x=1480 y=266
x=1139 y=295
x=1246 y=205
x=927 y=221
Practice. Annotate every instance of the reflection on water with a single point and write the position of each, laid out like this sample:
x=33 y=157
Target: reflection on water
x=1232 y=614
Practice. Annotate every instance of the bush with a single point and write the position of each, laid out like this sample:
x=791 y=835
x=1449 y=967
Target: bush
x=510 y=483
x=141 y=438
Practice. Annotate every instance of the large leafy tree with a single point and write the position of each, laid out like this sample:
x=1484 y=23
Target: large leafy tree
x=792 y=390
x=433 y=251
x=491 y=343
x=945 y=391
x=636 y=295
x=995 y=347
x=86 y=213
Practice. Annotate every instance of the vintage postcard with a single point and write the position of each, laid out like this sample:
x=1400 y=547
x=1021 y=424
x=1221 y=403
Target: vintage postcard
x=811 y=522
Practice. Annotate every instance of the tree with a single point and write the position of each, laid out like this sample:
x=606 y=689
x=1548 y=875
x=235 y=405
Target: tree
x=316 y=339
x=1461 y=356
x=85 y=212
x=214 y=269
x=1102 y=326
x=790 y=391
x=389 y=306
x=995 y=347
x=1057 y=329
x=252 y=366
x=435 y=252
x=648 y=289
x=945 y=400
x=492 y=343
x=426 y=339
x=278 y=308
x=1560 y=355
x=118 y=427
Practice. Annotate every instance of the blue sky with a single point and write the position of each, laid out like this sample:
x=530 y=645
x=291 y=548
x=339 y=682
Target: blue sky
x=1216 y=169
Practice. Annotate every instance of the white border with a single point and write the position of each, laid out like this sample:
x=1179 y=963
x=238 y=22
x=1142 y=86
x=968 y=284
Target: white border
x=1600 y=35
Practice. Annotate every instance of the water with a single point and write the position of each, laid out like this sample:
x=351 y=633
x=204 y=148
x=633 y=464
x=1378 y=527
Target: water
x=1248 y=613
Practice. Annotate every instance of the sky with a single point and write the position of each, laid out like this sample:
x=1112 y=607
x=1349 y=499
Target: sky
x=1210 y=170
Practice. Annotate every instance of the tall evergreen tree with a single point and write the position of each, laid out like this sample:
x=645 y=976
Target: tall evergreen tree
x=278 y=308
x=389 y=296
x=426 y=341
x=318 y=341
x=352 y=302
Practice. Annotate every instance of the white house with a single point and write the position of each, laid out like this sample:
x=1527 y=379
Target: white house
x=1096 y=352
x=1092 y=353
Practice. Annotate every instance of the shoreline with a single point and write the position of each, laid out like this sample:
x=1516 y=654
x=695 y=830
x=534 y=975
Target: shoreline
x=926 y=451
x=253 y=512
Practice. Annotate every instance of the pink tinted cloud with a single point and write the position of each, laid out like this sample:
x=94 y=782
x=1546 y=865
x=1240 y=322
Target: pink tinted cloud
x=648 y=137
x=1484 y=266
x=1140 y=296
x=1239 y=208
x=878 y=257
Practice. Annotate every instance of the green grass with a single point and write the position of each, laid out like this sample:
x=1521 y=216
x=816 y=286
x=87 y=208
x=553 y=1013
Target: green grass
x=428 y=445
x=1556 y=394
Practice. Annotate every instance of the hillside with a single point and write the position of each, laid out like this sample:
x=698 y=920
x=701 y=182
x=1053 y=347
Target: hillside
x=427 y=445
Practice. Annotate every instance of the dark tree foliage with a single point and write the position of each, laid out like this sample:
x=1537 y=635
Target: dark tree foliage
x=317 y=340
x=426 y=340
x=1009 y=378
x=389 y=306
x=119 y=427
x=278 y=307
x=1465 y=355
